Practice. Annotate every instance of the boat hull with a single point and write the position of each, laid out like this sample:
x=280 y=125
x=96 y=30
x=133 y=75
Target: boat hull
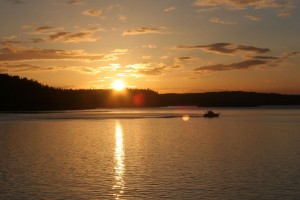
x=211 y=115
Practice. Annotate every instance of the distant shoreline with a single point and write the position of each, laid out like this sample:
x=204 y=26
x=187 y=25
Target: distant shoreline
x=20 y=94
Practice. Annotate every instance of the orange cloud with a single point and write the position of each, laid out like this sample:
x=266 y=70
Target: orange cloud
x=252 y=18
x=92 y=12
x=221 y=21
x=149 y=46
x=169 y=9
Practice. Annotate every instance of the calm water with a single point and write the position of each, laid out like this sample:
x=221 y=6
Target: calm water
x=169 y=153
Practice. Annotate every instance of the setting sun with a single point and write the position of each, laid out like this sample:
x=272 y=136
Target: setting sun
x=118 y=85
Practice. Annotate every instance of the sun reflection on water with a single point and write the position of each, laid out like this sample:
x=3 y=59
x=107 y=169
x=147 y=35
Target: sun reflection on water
x=119 y=185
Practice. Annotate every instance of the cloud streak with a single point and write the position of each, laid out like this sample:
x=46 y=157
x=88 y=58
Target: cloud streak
x=17 y=67
x=145 y=30
x=172 y=8
x=263 y=57
x=6 y=67
x=284 y=8
x=221 y=21
x=152 y=71
x=225 y=48
x=257 y=61
x=92 y=12
x=13 y=52
x=149 y=46
x=252 y=18
x=234 y=66
x=184 y=58
x=46 y=29
x=145 y=69
x=86 y=35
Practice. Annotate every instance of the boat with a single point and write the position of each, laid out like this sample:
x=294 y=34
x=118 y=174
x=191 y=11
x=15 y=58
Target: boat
x=211 y=114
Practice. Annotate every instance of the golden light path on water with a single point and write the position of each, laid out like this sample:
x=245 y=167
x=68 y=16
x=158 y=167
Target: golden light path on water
x=119 y=185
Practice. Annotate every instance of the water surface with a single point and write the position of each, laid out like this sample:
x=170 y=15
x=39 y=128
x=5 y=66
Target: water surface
x=165 y=153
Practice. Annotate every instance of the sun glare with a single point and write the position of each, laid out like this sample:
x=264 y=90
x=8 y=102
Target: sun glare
x=118 y=85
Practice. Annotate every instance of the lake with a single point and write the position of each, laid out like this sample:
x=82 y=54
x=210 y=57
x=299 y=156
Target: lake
x=155 y=153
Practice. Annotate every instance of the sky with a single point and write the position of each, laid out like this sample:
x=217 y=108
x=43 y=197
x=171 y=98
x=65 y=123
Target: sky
x=180 y=46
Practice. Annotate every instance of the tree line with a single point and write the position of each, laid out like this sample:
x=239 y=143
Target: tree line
x=21 y=94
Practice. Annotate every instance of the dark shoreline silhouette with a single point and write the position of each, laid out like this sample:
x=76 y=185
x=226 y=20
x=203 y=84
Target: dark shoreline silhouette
x=21 y=94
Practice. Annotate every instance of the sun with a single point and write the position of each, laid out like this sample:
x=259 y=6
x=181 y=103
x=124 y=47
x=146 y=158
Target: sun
x=118 y=85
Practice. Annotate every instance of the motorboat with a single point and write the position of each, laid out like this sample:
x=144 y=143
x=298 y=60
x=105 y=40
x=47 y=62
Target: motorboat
x=211 y=114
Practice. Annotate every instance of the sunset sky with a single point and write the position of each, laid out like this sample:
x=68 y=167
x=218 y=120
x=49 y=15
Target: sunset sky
x=165 y=45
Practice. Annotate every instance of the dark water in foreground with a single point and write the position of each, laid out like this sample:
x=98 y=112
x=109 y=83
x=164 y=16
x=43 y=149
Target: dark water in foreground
x=168 y=153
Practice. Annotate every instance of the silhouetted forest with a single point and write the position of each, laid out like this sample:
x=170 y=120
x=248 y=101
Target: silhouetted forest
x=21 y=94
